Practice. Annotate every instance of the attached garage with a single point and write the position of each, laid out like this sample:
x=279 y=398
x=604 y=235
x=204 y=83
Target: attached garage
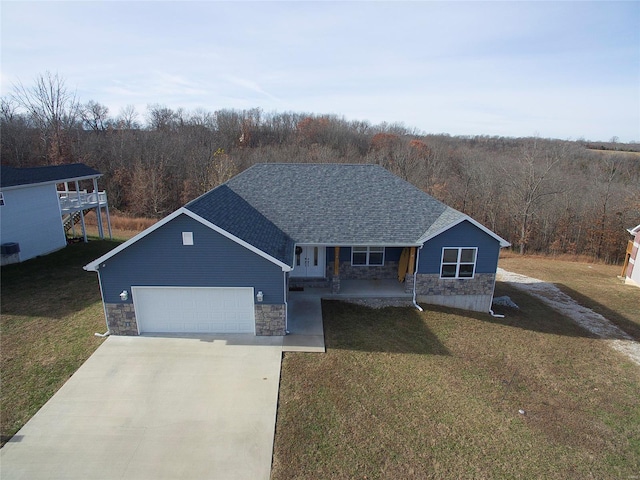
x=194 y=309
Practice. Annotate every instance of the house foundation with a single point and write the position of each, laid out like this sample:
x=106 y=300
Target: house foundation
x=473 y=294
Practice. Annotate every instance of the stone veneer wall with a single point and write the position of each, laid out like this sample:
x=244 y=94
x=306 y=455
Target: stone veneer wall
x=121 y=319
x=270 y=319
x=348 y=271
x=469 y=293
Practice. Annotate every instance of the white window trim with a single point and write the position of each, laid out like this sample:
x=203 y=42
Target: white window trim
x=367 y=264
x=458 y=263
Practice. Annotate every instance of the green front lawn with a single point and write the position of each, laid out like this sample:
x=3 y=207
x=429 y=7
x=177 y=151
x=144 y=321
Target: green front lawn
x=404 y=394
x=399 y=393
x=50 y=310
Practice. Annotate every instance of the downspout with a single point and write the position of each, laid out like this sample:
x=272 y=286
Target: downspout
x=286 y=305
x=104 y=307
x=415 y=276
x=495 y=315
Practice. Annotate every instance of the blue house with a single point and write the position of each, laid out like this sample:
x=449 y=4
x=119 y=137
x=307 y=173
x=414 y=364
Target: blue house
x=225 y=262
x=39 y=205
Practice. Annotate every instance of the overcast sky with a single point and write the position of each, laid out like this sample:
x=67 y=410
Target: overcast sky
x=555 y=69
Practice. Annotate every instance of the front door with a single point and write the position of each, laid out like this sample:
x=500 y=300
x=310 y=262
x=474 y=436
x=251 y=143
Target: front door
x=309 y=262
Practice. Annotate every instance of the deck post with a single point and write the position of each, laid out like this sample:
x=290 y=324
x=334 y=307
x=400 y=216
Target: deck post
x=84 y=227
x=336 y=261
x=98 y=211
x=106 y=209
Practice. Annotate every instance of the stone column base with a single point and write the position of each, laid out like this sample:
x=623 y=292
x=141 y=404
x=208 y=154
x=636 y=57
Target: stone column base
x=270 y=319
x=408 y=282
x=121 y=319
x=335 y=284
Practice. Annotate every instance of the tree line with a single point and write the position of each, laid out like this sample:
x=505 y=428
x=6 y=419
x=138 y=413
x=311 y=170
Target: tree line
x=543 y=195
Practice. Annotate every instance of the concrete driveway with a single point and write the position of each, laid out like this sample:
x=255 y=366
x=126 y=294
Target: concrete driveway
x=157 y=408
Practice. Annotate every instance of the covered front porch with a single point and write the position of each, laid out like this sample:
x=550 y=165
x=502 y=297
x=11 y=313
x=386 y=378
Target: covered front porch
x=359 y=270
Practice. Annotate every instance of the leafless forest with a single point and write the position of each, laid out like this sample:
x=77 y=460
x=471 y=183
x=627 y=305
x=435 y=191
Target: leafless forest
x=544 y=196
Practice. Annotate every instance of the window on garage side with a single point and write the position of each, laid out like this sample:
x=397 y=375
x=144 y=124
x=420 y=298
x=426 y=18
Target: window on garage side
x=367 y=256
x=458 y=262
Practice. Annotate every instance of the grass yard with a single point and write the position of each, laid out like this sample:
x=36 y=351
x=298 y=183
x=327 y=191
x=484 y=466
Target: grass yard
x=437 y=394
x=593 y=285
x=50 y=310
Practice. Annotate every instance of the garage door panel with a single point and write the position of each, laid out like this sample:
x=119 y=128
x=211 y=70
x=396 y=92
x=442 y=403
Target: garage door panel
x=194 y=310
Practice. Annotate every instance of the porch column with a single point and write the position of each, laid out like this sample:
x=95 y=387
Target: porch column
x=335 y=280
x=412 y=260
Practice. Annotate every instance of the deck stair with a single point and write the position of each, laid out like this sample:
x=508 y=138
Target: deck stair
x=72 y=219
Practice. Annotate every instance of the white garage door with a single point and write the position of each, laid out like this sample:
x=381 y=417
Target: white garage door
x=194 y=309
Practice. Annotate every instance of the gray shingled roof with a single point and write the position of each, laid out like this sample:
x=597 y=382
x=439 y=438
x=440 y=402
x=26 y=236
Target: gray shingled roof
x=11 y=177
x=271 y=206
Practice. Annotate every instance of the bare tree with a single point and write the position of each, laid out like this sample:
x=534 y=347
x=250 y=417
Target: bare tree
x=128 y=118
x=16 y=134
x=54 y=111
x=161 y=117
x=95 y=116
x=531 y=181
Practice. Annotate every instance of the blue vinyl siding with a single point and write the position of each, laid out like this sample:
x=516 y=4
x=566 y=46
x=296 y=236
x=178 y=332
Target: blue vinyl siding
x=392 y=254
x=465 y=234
x=160 y=259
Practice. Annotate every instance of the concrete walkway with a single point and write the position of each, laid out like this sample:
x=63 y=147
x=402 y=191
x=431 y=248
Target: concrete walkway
x=157 y=408
x=304 y=323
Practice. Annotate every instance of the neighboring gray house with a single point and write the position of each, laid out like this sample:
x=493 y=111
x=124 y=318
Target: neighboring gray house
x=225 y=261
x=39 y=204
x=630 y=269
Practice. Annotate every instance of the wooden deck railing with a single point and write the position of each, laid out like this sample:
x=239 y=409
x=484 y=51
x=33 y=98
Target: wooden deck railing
x=74 y=201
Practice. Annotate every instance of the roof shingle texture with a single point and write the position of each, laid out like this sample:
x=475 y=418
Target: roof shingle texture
x=271 y=206
x=11 y=177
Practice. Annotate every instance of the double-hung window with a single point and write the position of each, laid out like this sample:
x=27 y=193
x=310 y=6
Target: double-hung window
x=367 y=256
x=458 y=262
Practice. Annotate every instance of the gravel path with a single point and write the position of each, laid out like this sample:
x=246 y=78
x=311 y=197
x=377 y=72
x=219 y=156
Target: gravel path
x=585 y=317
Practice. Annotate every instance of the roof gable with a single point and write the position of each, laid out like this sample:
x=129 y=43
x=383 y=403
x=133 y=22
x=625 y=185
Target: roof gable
x=14 y=177
x=94 y=266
